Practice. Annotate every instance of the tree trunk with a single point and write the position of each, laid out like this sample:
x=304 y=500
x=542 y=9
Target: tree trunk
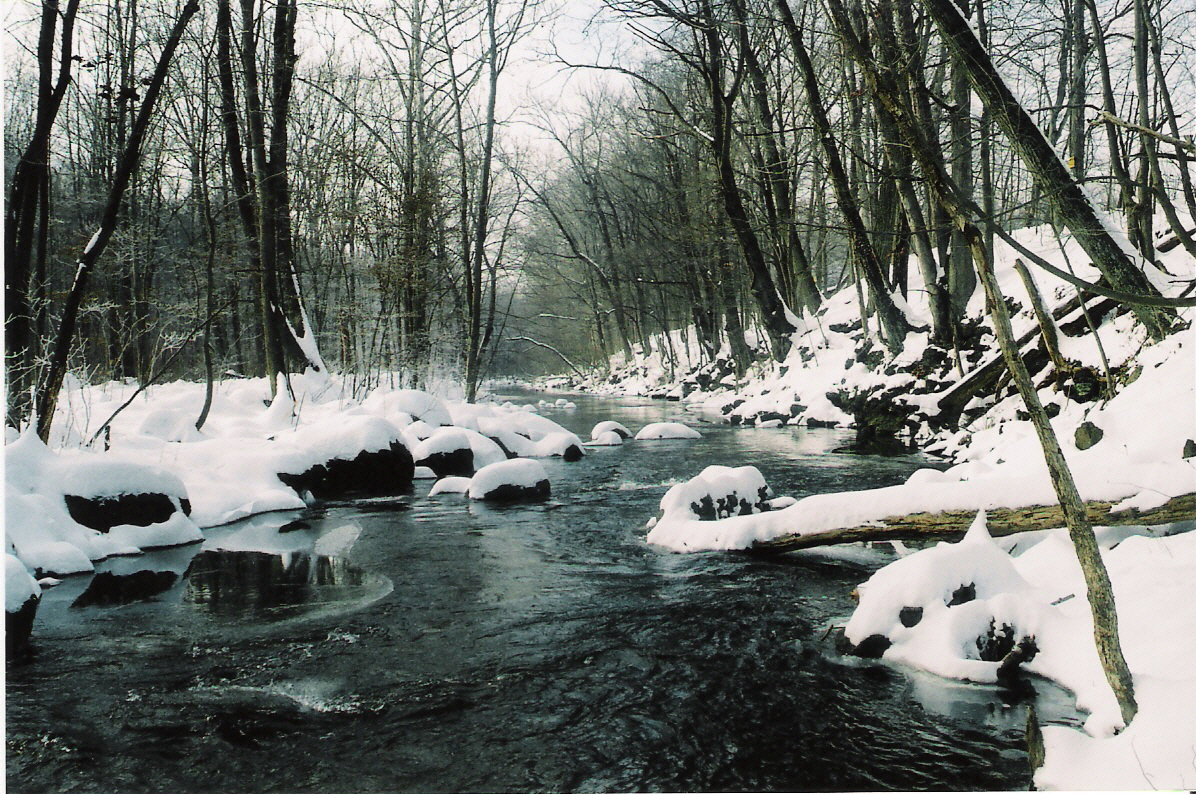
x=892 y=321
x=130 y=159
x=1069 y=200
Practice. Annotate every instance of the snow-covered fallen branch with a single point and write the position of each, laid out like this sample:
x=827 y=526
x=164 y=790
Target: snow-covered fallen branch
x=952 y=524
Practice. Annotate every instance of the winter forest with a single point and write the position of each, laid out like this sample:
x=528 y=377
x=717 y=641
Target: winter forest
x=325 y=324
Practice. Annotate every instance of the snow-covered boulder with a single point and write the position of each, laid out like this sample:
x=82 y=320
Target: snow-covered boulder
x=349 y=456
x=516 y=480
x=607 y=427
x=450 y=485
x=666 y=430
x=562 y=444
x=610 y=438
x=718 y=492
x=956 y=609
x=446 y=452
x=21 y=597
x=62 y=513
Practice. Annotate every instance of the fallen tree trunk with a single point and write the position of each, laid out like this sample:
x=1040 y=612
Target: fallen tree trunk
x=952 y=524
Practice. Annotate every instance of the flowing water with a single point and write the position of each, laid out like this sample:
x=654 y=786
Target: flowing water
x=445 y=645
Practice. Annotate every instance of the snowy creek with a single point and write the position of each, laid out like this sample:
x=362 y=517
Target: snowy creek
x=451 y=645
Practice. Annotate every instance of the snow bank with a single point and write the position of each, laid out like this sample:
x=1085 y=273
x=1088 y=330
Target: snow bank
x=957 y=609
x=666 y=430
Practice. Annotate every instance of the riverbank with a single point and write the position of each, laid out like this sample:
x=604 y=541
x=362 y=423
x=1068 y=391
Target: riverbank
x=1125 y=413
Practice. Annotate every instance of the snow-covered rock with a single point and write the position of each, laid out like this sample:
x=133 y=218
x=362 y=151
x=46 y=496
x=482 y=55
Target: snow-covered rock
x=352 y=455
x=666 y=430
x=718 y=492
x=21 y=597
x=446 y=452
x=607 y=427
x=609 y=438
x=515 y=480
x=450 y=485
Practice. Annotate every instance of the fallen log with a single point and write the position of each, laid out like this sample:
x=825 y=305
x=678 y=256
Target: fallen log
x=1002 y=521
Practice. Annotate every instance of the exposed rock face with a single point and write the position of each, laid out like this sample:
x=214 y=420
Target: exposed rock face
x=383 y=473
x=139 y=509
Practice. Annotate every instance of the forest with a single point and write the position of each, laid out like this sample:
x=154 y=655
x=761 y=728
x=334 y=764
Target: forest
x=269 y=262
x=190 y=191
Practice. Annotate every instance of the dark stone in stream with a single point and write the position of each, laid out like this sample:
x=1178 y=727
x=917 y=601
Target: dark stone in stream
x=1189 y=449
x=573 y=453
x=18 y=627
x=997 y=644
x=454 y=463
x=811 y=422
x=383 y=473
x=509 y=493
x=872 y=647
x=962 y=595
x=294 y=526
x=109 y=589
x=910 y=616
x=105 y=512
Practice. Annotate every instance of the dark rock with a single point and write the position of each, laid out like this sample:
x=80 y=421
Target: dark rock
x=294 y=526
x=109 y=589
x=796 y=409
x=768 y=416
x=845 y=328
x=1083 y=386
x=573 y=453
x=18 y=626
x=1011 y=665
x=105 y=512
x=910 y=616
x=1189 y=449
x=507 y=493
x=962 y=595
x=872 y=647
x=510 y=455
x=454 y=463
x=1087 y=435
x=383 y=473
x=811 y=422
x=997 y=643
x=1051 y=409
x=731 y=406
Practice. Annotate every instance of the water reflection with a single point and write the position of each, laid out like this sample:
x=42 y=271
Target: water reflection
x=257 y=584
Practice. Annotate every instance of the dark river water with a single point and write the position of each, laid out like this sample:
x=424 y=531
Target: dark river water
x=462 y=647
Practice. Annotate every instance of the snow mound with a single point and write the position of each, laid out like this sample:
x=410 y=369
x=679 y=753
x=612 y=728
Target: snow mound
x=19 y=585
x=666 y=430
x=956 y=609
x=450 y=485
x=718 y=492
x=610 y=438
x=510 y=480
x=609 y=426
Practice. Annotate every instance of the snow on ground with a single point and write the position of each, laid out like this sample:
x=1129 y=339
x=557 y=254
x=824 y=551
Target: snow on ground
x=1138 y=461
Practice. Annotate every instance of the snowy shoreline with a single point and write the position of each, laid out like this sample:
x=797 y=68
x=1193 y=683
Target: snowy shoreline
x=1135 y=450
